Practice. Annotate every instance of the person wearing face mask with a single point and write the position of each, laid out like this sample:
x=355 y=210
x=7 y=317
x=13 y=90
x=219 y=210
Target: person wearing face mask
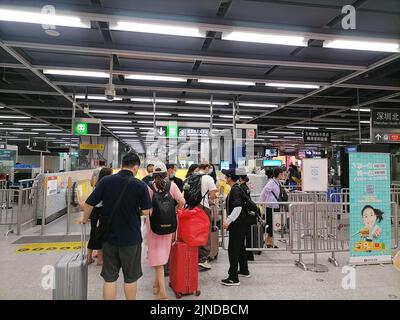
x=149 y=178
x=171 y=172
x=212 y=173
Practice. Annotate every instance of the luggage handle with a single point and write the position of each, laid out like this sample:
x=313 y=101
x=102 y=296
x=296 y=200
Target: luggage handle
x=83 y=240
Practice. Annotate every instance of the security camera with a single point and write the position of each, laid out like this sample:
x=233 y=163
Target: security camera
x=110 y=92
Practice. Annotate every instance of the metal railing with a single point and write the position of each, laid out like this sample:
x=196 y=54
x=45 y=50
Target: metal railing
x=18 y=208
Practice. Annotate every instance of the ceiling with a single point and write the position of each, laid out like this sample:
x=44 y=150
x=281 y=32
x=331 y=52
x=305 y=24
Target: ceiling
x=343 y=79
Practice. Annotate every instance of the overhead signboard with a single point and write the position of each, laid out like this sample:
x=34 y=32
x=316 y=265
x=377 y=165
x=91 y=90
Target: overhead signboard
x=316 y=136
x=91 y=147
x=87 y=127
x=385 y=125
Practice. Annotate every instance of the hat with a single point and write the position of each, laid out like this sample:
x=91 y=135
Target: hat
x=231 y=173
x=159 y=167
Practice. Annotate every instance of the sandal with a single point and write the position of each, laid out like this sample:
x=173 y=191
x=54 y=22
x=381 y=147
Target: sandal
x=156 y=290
x=163 y=298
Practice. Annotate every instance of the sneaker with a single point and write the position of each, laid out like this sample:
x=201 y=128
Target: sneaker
x=230 y=282
x=205 y=265
x=244 y=274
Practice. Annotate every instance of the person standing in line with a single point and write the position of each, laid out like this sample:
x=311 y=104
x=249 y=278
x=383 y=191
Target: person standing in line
x=192 y=169
x=236 y=225
x=213 y=173
x=123 y=198
x=171 y=170
x=96 y=172
x=271 y=194
x=149 y=178
x=209 y=194
x=159 y=246
x=93 y=244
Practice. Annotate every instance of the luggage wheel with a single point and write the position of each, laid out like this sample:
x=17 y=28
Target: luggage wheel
x=197 y=293
x=178 y=295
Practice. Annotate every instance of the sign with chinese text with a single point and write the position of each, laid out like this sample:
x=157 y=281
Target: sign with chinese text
x=370 y=208
x=316 y=136
x=315 y=175
x=91 y=147
x=87 y=127
x=172 y=132
x=385 y=125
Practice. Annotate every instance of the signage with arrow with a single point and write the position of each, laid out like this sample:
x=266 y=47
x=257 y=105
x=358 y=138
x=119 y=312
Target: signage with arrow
x=385 y=125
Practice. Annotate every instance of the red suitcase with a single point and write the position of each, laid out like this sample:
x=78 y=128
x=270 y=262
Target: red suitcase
x=183 y=269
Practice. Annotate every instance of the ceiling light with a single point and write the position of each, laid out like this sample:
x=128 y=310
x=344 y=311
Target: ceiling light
x=151 y=27
x=76 y=73
x=292 y=85
x=361 y=109
x=125 y=132
x=109 y=111
x=96 y=98
x=59 y=134
x=146 y=122
x=232 y=82
x=161 y=100
x=151 y=113
x=281 y=132
x=269 y=38
x=241 y=117
x=208 y=102
x=257 y=104
x=48 y=130
x=365 y=121
x=309 y=128
x=268 y=136
x=194 y=115
x=154 y=78
x=116 y=121
x=381 y=46
x=42 y=18
x=223 y=124
x=24 y=132
x=291 y=137
x=18 y=129
x=30 y=124
x=126 y=128
x=14 y=117
x=349 y=129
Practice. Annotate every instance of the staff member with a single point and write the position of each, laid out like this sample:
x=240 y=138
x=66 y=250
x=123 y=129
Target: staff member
x=236 y=225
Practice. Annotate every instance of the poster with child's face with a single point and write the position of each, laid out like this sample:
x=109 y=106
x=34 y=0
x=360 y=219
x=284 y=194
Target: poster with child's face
x=370 y=208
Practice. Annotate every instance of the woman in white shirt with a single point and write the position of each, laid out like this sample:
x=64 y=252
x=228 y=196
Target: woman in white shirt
x=270 y=194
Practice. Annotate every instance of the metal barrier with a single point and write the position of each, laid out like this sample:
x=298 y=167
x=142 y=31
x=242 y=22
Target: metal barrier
x=18 y=208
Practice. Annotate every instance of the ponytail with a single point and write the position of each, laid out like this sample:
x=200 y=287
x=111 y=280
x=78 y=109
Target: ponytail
x=160 y=180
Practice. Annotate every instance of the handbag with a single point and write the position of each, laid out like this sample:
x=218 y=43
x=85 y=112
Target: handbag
x=193 y=226
x=104 y=224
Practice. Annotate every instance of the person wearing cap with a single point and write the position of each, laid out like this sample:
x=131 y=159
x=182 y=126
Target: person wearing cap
x=171 y=169
x=237 y=226
x=209 y=194
x=124 y=198
x=159 y=246
x=270 y=194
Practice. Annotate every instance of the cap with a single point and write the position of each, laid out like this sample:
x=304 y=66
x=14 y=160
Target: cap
x=159 y=167
x=230 y=173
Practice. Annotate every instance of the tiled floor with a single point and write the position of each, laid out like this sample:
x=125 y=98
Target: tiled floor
x=274 y=276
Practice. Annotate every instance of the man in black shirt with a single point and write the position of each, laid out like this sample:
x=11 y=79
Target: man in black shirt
x=123 y=197
x=236 y=225
x=171 y=170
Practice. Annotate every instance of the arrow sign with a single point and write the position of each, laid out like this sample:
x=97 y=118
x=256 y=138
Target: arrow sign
x=378 y=137
x=161 y=132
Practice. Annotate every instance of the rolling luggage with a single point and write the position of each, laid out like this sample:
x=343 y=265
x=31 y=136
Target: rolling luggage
x=71 y=274
x=183 y=269
x=257 y=236
x=214 y=235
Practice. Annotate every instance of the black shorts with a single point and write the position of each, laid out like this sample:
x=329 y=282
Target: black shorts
x=128 y=258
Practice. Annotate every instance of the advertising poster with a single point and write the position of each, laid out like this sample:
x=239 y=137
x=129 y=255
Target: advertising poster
x=370 y=208
x=52 y=185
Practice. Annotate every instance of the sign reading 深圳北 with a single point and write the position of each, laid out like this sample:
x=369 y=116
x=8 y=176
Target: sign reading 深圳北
x=370 y=208
x=385 y=125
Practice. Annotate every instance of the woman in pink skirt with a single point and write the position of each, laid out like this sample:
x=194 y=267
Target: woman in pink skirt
x=159 y=246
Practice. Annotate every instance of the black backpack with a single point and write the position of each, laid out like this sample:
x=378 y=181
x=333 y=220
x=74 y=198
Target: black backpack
x=192 y=190
x=283 y=196
x=251 y=207
x=163 y=217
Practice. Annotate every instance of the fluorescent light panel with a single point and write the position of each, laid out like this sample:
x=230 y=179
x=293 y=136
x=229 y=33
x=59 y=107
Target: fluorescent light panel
x=157 y=28
x=145 y=122
x=12 y=129
x=207 y=102
x=151 y=113
x=229 y=82
x=281 y=132
x=381 y=46
x=91 y=97
x=161 y=100
x=309 y=128
x=292 y=85
x=116 y=121
x=33 y=124
x=125 y=132
x=241 y=117
x=109 y=111
x=154 y=78
x=348 y=129
x=42 y=18
x=126 y=128
x=257 y=104
x=361 y=109
x=194 y=115
x=47 y=130
x=269 y=38
x=14 y=117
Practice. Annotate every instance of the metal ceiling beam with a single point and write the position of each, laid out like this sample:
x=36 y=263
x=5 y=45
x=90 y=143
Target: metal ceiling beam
x=185 y=57
x=373 y=66
x=41 y=76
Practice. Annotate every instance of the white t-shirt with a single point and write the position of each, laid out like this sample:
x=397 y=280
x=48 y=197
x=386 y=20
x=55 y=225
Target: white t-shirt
x=207 y=184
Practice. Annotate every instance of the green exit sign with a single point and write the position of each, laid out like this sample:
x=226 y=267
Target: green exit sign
x=81 y=129
x=172 y=132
